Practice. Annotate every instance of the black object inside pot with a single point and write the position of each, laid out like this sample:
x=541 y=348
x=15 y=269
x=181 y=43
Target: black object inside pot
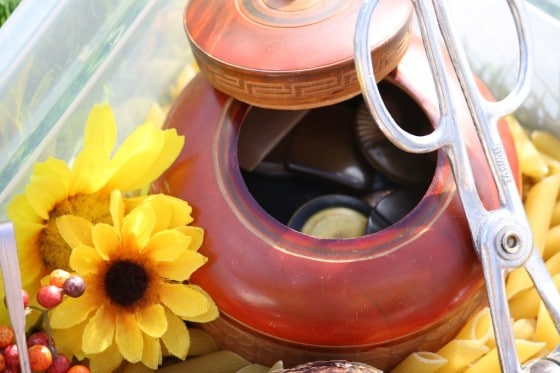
x=324 y=154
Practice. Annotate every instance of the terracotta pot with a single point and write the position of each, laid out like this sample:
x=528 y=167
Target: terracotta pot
x=287 y=296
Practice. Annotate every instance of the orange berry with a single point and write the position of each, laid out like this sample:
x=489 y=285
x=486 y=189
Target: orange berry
x=58 y=276
x=40 y=358
x=79 y=369
x=6 y=336
x=2 y=363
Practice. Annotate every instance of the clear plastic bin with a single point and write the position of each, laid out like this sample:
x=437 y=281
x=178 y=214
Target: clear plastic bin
x=59 y=58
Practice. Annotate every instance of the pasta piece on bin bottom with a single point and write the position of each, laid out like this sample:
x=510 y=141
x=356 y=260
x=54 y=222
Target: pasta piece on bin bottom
x=478 y=328
x=524 y=329
x=420 y=362
x=545 y=330
x=552 y=242
x=539 y=206
x=546 y=143
x=489 y=362
x=531 y=162
x=460 y=353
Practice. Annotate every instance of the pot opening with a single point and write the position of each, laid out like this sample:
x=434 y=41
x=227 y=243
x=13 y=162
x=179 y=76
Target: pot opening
x=330 y=172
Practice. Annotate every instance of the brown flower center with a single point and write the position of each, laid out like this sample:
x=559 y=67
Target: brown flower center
x=126 y=282
x=55 y=252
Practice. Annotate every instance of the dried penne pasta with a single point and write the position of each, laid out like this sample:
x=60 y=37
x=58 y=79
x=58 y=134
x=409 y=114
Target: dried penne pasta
x=539 y=205
x=460 y=353
x=420 y=362
x=478 y=328
x=525 y=304
x=553 y=264
x=533 y=328
x=279 y=365
x=552 y=242
x=531 y=162
x=546 y=143
x=555 y=219
x=490 y=363
x=215 y=362
x=524 y=329
x=517 y=281
x=545 y=329
x=553 y=165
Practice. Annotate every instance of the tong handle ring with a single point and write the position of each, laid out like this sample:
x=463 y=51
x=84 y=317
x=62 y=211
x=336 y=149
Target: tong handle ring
x=372 y=96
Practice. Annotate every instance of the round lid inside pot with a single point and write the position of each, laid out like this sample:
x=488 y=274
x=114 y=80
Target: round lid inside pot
x=291 y=54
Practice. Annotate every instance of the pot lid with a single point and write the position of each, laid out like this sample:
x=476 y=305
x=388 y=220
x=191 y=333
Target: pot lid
x=291 y=54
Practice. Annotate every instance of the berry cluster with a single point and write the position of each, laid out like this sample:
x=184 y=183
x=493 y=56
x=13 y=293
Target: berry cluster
x=43 y=356
x=60 y=283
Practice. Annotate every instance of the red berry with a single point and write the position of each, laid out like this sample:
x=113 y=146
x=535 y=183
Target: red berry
x=40 y=358
x=60 y=364
x=11 y=355
x=79 y=369
x=58 y=276
x=25 y=296
x=6 y=336
x=11 y=369
x=74 y=286
x=49 y=296
x=39 y=338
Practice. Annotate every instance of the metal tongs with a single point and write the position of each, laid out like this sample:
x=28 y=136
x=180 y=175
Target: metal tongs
x=502 y=237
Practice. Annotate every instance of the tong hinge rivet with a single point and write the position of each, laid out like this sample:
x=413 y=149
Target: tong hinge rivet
x=511 y=242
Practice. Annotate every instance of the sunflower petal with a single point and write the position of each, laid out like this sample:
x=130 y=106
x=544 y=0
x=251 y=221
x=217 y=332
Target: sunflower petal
x=105 y=239
x=99 y=331
x=143 y=156
x=69 y=340
x=101 y=128
x=42 y=196
x=183 y=300
x=166 y=245
x=20 y=209
x=79 y=308
x=128 y=337
x=48 y=185
x=151 y=320
x=106 y=361
x=171 y=212
x=176 y=339
x=89 y=171
x=211 y=314
x=75 y=230
x=54 y=168
x=181 y=268
x=135 y=156
x=172 y=146
x=27 y=234
x=85 y=260
x=151 y=354
x=137 y=227
x=195 y=233
x=117 y=207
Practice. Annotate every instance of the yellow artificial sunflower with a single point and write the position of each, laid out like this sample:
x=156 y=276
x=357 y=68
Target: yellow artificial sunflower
x=137 y=292
x=56 y=189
